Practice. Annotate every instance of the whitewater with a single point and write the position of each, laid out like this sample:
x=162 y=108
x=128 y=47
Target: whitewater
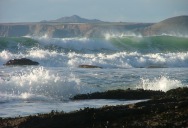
x=153 y=62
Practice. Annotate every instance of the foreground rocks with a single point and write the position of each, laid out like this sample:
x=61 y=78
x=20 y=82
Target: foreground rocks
x=167 y=110
x=22 y=61
x=121 y=94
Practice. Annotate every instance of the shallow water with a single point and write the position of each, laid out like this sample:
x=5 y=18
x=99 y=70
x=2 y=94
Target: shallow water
x=25 y=108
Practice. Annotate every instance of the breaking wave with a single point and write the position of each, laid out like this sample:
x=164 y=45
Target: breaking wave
x=114 y=52
x=49 y=58
x=163 y=83
x=39 y=83
x=111 y=43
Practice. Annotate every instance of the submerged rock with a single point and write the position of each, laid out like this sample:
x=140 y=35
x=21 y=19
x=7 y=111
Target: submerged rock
x=89 y=66
x=22 y=61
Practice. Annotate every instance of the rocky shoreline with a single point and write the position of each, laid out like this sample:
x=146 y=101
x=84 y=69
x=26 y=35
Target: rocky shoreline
x=165 y=109
x=121 y=94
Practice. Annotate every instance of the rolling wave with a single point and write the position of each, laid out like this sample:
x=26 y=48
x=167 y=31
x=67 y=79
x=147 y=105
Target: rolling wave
x=151 y=44
x=17 y=43
x=113 y=60
x=114 y=52
x=113 y=44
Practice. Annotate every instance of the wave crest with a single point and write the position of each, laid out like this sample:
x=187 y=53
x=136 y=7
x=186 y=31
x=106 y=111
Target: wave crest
x=162 y=83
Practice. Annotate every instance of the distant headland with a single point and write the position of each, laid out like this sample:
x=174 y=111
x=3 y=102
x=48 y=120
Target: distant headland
x=75 y=26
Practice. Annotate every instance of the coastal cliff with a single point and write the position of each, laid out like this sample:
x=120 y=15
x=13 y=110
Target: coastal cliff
x=65 y=30
x=172 y=26
x=93 y=28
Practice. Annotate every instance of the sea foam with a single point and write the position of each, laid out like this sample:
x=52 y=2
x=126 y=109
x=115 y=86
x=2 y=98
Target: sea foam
x=163 y=83
x=49 y=58
x=39 y=81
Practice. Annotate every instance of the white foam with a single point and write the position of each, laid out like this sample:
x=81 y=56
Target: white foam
x=107 y=60
x=120 y=35
x=175 y=35
x=131 y=60
x=76 y=43
x=40 y=81
x=110 y=35
x=163 y=83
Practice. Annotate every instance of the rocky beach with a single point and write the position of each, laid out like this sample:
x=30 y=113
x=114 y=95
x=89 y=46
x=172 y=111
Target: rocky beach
x=164 y=109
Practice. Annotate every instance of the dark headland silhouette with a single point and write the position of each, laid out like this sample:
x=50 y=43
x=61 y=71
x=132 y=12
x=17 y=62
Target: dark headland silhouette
x=74 y=19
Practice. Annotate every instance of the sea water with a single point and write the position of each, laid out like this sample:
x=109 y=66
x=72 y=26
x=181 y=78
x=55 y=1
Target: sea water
x=155 y=62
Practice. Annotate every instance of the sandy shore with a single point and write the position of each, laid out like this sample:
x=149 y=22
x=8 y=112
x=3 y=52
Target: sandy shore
x=168 y=109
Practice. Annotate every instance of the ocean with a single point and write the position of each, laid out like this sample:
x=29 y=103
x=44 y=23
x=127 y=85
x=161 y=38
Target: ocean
x=152 y=62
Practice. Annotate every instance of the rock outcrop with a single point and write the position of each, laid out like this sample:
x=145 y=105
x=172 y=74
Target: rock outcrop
x=168 y=110
x=121 y=94
x=22 y=61
x=89 y=66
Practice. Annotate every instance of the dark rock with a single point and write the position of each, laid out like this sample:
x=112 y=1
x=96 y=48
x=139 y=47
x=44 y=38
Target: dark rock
x=88 y=66
x=121 y=94
x=156 y=66
x=22 y=61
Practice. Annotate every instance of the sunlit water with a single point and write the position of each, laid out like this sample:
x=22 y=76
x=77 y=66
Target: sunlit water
x=32 y=90
x=127 y=62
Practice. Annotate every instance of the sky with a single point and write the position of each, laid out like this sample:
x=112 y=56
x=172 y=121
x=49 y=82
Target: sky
x=106 y=10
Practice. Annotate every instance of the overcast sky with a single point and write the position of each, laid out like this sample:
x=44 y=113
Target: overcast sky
x=106 y=10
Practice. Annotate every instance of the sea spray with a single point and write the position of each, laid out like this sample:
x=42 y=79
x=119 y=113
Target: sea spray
x=106 y=60
x=130 y=60
x=41 y=81
x=76 y=44
x=111 y=35
x=163 y=83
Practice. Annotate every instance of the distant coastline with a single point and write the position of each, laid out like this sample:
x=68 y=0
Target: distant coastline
x=76 y=26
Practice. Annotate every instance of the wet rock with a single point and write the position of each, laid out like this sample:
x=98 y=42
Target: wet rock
x=22 y=61
x=89 y=66
x=121 y=94
x=156 y=66
x=177 y=93
x=161 y=112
